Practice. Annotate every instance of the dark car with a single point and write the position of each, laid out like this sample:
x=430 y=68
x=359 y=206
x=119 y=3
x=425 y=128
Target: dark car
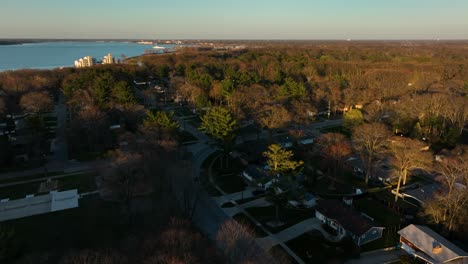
x=258 y=192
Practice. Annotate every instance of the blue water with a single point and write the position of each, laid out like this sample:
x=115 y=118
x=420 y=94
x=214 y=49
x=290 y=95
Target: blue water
x=49 y=55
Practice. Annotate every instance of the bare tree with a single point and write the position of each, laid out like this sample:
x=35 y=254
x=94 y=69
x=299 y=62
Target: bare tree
x=2 y=106
x=370 y=141
x=408 y=154
x=238 y=244
x=36 y=102
x=450 y=206
x=335 y=147
x=274 y=117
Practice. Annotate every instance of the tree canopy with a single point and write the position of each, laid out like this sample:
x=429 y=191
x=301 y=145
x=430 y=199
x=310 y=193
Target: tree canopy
x=219 y=123
x=280 y=160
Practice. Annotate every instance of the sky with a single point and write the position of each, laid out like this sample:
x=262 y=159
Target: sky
x=235 y=19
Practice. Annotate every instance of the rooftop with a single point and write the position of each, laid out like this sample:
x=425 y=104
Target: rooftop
x=345 y=215
x=425 y=239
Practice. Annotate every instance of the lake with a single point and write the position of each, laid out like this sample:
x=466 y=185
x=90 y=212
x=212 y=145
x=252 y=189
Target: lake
x=49 y=55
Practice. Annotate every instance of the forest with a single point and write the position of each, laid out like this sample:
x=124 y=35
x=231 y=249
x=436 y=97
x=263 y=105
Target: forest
x=417 y=91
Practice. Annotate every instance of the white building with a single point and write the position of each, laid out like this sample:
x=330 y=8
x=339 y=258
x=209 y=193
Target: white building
x=84 y=62
x=109 y=59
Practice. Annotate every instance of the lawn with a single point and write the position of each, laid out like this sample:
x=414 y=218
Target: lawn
x=83 y=182
x=337 y=129
x=19 y=191
x=245 y=221
x=385 y=217
x=401 y=205
x=290 y=216
x=375 y=209
x=313 y=248
x=389 y=238
x=226 y=174
x=324 y=186
x=230 y=183
x=31 y=177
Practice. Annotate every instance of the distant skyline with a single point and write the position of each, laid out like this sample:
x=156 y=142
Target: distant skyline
x=240 y=19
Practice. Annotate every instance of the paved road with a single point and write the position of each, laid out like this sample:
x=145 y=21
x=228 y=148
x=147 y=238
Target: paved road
x=59 y=146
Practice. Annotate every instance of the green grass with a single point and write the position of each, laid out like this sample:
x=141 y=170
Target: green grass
x=209 y=159
x=19 y=191
x=389 y=238
x=230 y=183
x=31 y=177
x=290 y=216
x=245 y=221
x=389 y=199
x=88 y=156
x=313 y=248
x=336 y=129
x=381 y=213
x=385 y=217
x=83 y=182
x=226 y=174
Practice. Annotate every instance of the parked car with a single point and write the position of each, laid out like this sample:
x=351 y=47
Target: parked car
x=258 y=192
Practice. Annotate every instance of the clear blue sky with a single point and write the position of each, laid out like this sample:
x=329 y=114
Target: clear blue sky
x=234 y=19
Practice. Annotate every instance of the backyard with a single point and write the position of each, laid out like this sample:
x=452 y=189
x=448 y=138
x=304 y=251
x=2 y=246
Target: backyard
x=312 y=247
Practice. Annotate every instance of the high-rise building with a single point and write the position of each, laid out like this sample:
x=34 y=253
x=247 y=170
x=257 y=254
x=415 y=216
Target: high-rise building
x=109 y=59
x=84 y=62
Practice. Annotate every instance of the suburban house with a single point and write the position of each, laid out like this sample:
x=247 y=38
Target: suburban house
x=430 y=247
x=422 y=193
x=41 y=204
x=355 y=165
x=257 y=176
x=347 y=221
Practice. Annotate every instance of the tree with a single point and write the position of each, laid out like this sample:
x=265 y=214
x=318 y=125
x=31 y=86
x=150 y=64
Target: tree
x=450 y=206
x=161 y=119
x=370 y=141
x=238 y=244
x=122 y=94
x=274 y=117
x=219 y=123
x=335 y=147
x=2 y=107
x=408 y=154
x=279 y=160
x=353 y=118
x=36 y=102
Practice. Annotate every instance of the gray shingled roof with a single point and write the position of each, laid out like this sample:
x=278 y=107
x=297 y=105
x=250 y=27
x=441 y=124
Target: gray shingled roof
x=423 y=193
x=424 y=238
